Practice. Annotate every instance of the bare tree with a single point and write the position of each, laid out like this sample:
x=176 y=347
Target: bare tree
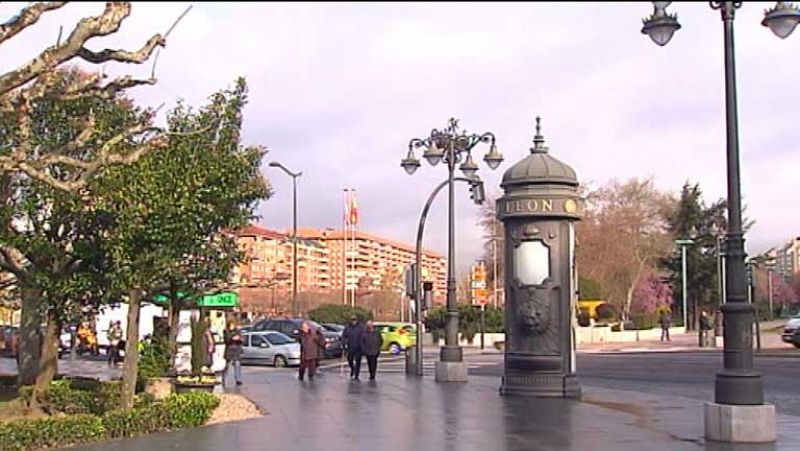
x=622 y=236
x=35 y=79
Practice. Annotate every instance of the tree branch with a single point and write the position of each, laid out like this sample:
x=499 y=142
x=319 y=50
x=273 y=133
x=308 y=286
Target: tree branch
x=106 y=23
x=122 y=56
x=9 y=263
x=27 y=17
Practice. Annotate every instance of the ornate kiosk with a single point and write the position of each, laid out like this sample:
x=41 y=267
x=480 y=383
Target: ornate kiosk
x=538 y=209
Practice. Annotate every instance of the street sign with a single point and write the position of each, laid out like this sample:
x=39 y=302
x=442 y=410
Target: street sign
x=480 y=294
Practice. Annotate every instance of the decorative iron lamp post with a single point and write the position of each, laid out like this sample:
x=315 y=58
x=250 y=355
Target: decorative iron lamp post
x=453 y=146
x=738 y=413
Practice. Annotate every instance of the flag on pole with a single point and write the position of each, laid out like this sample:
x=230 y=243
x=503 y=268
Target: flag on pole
x=353 y=215
x=347 y=206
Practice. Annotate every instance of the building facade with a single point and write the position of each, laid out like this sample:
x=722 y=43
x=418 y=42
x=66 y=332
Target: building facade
x=328 y=267
x=787 y=259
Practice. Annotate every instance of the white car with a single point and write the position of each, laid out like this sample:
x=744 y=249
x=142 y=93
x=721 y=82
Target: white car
x=271 y=348
x=791 y=331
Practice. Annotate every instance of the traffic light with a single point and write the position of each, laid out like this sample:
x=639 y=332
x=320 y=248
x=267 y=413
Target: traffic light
x=476 y=192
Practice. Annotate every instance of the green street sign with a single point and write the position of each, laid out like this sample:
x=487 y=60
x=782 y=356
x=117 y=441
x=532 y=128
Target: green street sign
x=208 y=300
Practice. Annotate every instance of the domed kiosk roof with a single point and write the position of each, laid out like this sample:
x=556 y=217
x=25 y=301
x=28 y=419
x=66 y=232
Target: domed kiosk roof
x=539 y=168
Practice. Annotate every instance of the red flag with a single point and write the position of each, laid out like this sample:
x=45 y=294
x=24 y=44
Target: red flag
x=353 y=209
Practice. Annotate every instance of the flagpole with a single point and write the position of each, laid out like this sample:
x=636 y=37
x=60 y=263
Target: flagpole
x=353 y=224
x=345 y=220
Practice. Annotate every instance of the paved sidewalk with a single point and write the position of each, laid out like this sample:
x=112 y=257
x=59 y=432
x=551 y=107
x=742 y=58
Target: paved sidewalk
x=397 y=412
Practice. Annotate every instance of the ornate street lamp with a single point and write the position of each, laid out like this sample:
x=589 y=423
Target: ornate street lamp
x=453 y=146
x=738 y=388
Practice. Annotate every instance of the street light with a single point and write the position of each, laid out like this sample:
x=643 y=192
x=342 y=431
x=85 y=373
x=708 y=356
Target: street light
x=683 y=244
x=452 y=146
x=293 y=175
x=738 y=384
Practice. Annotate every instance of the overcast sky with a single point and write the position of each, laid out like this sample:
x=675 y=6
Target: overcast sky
x=337 y=91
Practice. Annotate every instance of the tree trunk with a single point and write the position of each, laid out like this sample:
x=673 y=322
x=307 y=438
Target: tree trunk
x=174 y=320
x=48 y=364
x=29 y=344
x=130 y=367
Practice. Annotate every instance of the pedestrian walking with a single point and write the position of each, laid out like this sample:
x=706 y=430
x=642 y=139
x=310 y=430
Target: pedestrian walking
x=665 y=321
x=321 y=354
x=705 y=326
x=371 y=343
x=310 y=348
x=351 y=339
x=114 y=340
x=233 y=339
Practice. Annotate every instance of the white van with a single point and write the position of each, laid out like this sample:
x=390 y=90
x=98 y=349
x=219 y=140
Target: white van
x=119 y=312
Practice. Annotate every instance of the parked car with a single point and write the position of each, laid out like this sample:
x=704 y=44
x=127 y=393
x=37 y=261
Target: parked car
x=270 y=347
x=791 y=331
x=335 y=328
x=397 y=337
x=291 y=327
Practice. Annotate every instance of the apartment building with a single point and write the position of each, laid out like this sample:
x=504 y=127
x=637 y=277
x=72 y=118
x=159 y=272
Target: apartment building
x=369 y=262
x=265 y=275
x=326 y=264
x=787 y=259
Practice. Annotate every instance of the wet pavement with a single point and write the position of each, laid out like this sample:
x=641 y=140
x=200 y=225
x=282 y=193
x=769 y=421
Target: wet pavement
x=397 y=412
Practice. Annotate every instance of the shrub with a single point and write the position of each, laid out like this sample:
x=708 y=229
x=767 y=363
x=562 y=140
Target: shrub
x=153 y=362
x=78 y=396
x=643 y=321
x=178 y=411
x=50 y=432
x=338 y=314
x=606 y=312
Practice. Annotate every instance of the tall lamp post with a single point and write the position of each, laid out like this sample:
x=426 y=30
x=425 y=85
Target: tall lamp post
x=684 y=284
x=293 y=175
x=738 y=384
x=452 y=146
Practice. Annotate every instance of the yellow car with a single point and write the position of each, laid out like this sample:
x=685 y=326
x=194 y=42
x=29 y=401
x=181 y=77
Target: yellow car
x=397 y=337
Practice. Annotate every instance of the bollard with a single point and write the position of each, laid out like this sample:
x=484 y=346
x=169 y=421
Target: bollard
x=411 y=360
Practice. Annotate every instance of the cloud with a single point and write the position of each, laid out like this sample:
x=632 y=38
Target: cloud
x=337 y=91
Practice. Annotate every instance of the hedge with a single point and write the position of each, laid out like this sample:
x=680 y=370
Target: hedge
x=76 y=396
x=175 y=412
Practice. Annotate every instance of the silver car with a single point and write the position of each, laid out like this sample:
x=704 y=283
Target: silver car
x=270 y=347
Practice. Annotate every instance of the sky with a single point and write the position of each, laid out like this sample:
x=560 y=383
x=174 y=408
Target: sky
x=337 y=90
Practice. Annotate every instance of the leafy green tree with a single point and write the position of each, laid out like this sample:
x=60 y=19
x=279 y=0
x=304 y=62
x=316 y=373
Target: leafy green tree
x=174 y=211
x=692 y=219
x=49 y=238
x=338 y=314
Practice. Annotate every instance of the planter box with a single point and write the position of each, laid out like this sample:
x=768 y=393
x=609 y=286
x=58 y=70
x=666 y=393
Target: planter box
x=186 y=388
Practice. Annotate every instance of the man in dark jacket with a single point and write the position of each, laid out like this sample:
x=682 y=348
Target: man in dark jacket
x=371 y=343
x=310 y=348
x=351 y=338
x=665 y=321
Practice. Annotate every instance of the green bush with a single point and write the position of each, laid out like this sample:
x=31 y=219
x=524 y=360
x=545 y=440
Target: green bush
x=78 y=396
x=338 y=314
x=644 y=321
x=153 y=362
x=50 y=432
x=469 y=321
x=177 y=411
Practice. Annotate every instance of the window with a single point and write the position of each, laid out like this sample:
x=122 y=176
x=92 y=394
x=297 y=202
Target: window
x=532 y=262
x=258 y=341
x=279 y=339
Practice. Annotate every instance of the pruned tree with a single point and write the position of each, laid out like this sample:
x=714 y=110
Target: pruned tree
x=38 y=79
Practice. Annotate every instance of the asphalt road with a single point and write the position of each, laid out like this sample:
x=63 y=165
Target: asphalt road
x=673 y=374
